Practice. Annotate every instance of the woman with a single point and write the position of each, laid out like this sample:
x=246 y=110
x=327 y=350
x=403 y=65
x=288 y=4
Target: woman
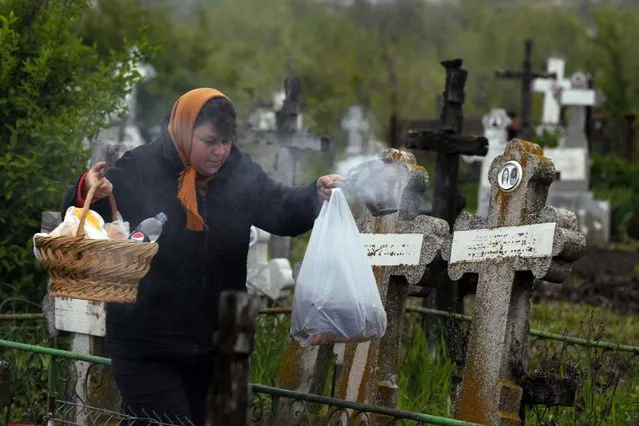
x=211 y=192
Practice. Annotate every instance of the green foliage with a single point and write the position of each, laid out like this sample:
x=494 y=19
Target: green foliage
x=55 y=92
x=615 y=179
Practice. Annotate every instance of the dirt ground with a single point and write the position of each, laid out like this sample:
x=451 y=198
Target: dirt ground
x=602 y=277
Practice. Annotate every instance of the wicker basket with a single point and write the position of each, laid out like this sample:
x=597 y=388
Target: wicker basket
x=99 y=270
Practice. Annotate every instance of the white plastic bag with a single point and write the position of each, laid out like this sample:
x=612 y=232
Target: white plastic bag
x=336 y=297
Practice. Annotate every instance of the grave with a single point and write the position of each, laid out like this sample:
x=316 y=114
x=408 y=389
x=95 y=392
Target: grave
x=495 y=124
x=559 y=92
x=521 y=239
x=290 y=141
x=571 y=157
x=401 y=245
x=272 y=278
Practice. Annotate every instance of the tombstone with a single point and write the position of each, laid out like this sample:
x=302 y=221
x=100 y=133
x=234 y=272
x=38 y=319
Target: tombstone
x=560 y=92
x=521 y=239
x=290 y=141
x=401 y=245
x=572 y=191
x=271 y=278
x=495 y=124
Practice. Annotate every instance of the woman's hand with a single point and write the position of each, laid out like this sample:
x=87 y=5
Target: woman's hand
x=94 y=175
x=325 y=185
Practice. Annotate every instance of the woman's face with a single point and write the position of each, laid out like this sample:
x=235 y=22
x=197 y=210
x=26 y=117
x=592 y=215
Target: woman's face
x=208 y=150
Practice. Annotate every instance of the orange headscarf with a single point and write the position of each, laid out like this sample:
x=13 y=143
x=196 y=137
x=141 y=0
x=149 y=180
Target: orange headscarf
x=181 y=122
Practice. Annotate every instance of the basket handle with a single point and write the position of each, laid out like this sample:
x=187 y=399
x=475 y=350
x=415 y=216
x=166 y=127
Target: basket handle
x=87 y=204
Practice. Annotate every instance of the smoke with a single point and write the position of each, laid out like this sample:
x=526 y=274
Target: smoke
x=377 y=183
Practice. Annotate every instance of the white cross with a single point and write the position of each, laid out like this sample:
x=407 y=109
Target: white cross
x=356 y=124
x=560 y=92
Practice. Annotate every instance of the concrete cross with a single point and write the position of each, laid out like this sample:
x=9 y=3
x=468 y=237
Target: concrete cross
x=357 y=127
x=290 y=141
x=520 y=240
x=401 y=246
x=560 y=92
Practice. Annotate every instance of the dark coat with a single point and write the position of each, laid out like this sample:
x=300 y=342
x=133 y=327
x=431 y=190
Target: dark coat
x=176 y=311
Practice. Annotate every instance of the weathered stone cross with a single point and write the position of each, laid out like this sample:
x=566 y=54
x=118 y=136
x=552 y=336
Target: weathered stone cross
x=520 y=240
x=401 y=245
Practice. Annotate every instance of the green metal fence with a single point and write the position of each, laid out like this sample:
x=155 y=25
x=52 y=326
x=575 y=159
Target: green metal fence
x=304 y=409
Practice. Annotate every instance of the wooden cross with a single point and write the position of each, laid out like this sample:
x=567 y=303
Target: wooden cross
x=526 y=75
x=448 y=144
x=229 y=398
x=520 y=240
x=290 y=142
x=401 y=246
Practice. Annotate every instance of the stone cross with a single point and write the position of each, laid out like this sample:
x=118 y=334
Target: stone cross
x=526 y=76
x=272 y=278
x=448 y=144
x=561 y=91
x=357 y=127
x=572 y=191
x=290 y=141
x=521 y=239
x=571 y=158
x=401 y=246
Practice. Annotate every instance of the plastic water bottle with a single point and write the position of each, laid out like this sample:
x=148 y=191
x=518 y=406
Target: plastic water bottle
x=149 y=230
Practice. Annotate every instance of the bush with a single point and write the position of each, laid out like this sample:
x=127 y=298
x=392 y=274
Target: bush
x=617 y=180
x=55 y=92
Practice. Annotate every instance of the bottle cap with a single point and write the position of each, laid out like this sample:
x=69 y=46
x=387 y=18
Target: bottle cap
x=161 y=217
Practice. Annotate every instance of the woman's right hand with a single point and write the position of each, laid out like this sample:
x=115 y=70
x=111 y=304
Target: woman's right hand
x=94 y=175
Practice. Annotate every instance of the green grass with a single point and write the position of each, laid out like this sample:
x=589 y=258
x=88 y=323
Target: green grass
x=424 y=380
x=581 y=321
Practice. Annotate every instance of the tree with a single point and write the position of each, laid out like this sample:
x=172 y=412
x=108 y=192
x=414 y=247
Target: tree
x=55 y=93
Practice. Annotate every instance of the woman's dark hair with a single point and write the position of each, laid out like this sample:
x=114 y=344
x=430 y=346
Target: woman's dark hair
x=220 y=112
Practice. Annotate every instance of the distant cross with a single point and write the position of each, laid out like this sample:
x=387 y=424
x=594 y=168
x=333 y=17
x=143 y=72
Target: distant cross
x=290 y=141
x=448 y=144
x=357 y=127
x=518 y=241
x=560 y=91
x=526 y=75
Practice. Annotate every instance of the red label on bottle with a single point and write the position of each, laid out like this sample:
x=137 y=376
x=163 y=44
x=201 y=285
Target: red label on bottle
x=137 y=237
